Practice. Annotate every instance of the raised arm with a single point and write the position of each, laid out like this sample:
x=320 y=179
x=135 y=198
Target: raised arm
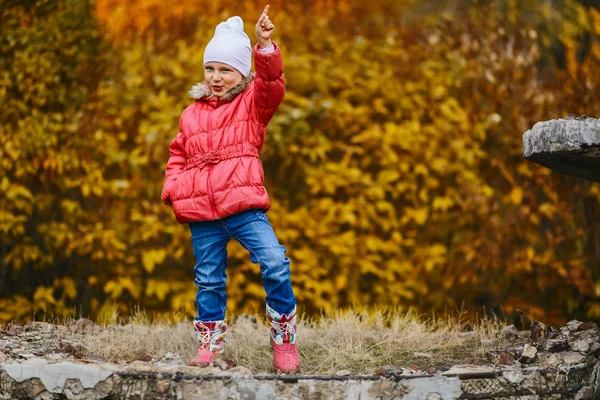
x=269 y=81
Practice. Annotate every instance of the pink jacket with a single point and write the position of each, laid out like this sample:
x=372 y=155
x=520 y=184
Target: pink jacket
x=213 y=169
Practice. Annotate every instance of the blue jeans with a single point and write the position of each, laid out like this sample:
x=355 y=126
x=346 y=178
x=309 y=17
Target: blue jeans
x=254 y=232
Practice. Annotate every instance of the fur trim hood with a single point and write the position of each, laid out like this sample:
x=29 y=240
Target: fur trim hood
x=201 y=92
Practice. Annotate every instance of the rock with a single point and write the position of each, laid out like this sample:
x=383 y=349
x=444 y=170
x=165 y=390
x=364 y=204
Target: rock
x=61 y=329
x=389 y=370
x=468 y=369
x=239 y=370
x=555 y=345
x=13 y=329
x=343 y=372
x=76 y=349
x=549 y=360
x=56 y=357
x=3 y=357
x=571 y=357
x=95 y=358
x=52 y=377
x=509 y=331
x=33 y=387
x=171 y=356
x=83 y=325
x=201 y=370
x=506 y=358
x=570 y=146
x=515 y=351
x=44 y=327
x=162 y=386
x=73 y=388
x=581 y=345
x=515 y=377
x=170 y=361
x=224 y=364
x=585 y=393
x=537 y=332
x=140 y=366
x=587 y=326
x=529 y=354
x=143 y=358
x=574 y=325
x=492 y=355
x=552 y=333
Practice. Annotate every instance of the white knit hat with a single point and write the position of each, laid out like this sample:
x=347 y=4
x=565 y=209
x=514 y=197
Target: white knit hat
x=230 y=45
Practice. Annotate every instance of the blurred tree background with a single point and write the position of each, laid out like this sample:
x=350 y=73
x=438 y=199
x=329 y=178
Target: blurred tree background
x=394 y=164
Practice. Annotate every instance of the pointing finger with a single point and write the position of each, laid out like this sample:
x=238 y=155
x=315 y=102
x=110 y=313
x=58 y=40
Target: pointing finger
x=264 y=14
x=266 y=10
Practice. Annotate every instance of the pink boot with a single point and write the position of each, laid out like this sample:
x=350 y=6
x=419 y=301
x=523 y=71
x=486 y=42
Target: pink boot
x=212 y=341
x=283 y=340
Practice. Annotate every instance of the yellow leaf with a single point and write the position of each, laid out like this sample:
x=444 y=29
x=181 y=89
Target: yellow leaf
x=442 y=203
x=548 y=209
x=341 y=281
x=127 y=283
x=113 y=288
x=44 y=296
x=152 y=257
x=68 y=285
x=420 y=215
x=85 y=190
x=516 y=196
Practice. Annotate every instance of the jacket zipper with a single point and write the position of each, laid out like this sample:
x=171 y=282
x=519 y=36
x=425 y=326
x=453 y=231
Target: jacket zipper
x=211 y=198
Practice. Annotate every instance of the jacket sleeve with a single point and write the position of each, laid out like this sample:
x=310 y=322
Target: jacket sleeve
x=175 y=166
x=269 y=83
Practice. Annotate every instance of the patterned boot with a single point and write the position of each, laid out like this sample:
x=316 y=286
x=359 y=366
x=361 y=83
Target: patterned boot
x=211 y=336
x=283 y=340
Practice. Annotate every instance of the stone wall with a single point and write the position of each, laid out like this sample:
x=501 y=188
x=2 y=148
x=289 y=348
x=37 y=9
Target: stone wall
x=568 y=145
x=540 y=363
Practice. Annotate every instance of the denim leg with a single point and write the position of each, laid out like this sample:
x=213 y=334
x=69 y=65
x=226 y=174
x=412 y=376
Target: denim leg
x=254 y=232
x=209 y=240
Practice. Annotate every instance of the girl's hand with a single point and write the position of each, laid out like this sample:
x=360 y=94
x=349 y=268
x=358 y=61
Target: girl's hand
x=264 y=29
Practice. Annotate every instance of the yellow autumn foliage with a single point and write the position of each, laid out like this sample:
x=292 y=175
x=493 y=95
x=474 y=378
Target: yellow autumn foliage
x=394 y=163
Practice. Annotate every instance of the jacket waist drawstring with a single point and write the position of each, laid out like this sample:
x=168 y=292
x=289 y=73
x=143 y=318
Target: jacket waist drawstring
x=216 y=156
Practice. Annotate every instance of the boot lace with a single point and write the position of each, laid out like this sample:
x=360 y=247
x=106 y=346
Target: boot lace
x=205 y=338
x=285 y=329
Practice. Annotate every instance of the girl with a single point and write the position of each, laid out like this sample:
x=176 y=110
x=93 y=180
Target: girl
x=215 y=184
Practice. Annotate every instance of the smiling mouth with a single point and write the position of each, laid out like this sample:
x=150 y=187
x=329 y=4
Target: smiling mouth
x=217 y=88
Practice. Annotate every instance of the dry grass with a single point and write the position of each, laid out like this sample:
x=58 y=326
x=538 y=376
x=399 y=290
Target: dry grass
x=361 y=342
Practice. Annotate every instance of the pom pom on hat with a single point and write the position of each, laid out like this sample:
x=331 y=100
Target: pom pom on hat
x=230 y=45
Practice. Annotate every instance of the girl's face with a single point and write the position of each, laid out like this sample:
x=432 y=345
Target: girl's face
x=221 y=78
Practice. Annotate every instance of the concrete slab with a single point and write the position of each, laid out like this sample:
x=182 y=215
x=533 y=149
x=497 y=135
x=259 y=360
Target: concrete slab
x=567 y=145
